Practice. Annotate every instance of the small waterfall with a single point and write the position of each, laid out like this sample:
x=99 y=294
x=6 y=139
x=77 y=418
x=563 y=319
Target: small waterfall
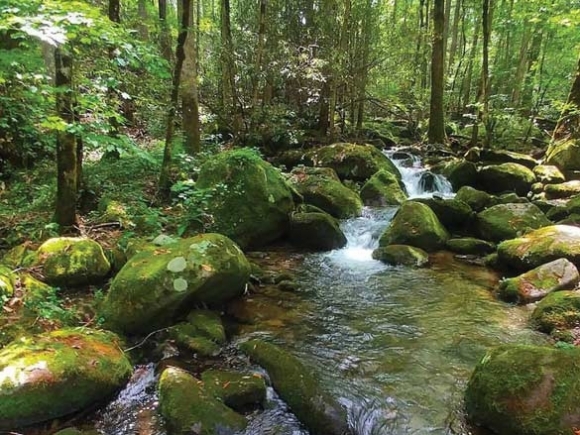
x=419 y=182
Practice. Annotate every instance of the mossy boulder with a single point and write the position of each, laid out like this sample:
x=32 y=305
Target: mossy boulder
x=351 y=161
x=541 y=246
x=562 y=190
x=476 y=199
x=71 y=262
x=564 y=154
x=202 y=333
x=416 y=225
x=299 y=388
x=18 y=256
x=239 y=391
x=557 y=311
x=315 y=231
x=537 y=283
x=58 y=373
x=453 y=213
x=7 y=284
x=249 y=198
x=155 y=287
x=382 y=189
x=526 y=390
x=402 y=255
x=507 y=221
x=470 y=246
x=506 y=177
x=188 y=407
x=549 y=174
x=511 y=198
x=328 y=194
x=460 y=173
x=503 y=156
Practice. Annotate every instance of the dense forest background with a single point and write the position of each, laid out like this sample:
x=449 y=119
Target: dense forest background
x=149 y=89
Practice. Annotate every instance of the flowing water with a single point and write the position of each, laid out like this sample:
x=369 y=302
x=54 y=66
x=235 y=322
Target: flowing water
x=395 y=345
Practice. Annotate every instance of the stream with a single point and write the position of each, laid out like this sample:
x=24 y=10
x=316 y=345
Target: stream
x=395 y=345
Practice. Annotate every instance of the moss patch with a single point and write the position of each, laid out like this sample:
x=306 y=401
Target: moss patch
x=382 y=189
x=239 y=391
x=402 y=255
x=507 y=221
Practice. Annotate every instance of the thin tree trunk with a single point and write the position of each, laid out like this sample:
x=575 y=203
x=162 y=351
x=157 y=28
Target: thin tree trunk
x=485 y=83
x=569 y=123
x=66 y=144
x=259 y=53
x=436 y=133
x=229 y=92
x=469 y=71
x=522 y=67
x=164 y=34
x=115 y=11
x=142 y=28
x=454 y=33
x=189 y=91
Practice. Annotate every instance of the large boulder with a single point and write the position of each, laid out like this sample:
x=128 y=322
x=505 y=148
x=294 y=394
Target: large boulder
x=537 y=283
x=327 y=192
x=353 y=162
x=58 y=373
x=506 y=177
x=461 y=173
x=557 y=311
x=71 y=261
x=503 y=156
x=155 y=287
x=416 y=225
x=453 y=213
x=526 y=390
x=299 y=388
x=507 y=221
x=239 y=391
x=564 y=154
x=402 y=255
x=562 y=190
x=382 y=189
x=476 y=199
x=248 y=198
x=541 y=246
x=549 y=174
x=315 y=231
x=188 y=407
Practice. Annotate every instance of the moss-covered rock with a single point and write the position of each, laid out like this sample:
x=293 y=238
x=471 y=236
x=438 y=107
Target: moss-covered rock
x=382 y=189
x=351 y=161
x=460 y=173
x=562 y=190
x=239 y=391
x=202 y=333
x=549 y=174
x=299 y=388
x=541 y=246
x=526 y=390
x=564 y=154
x=511 y=198
x=327 y=193
x=402 y=255
x=470 y=246
x=557 y=311
x=250 y=199
x=21 y=255
x=69 y=262
x=476 y=199
x=507 y=221
x=537 y=283
x=7 y=284
x=154 y=288
x=506 y=177
x=416 y=225
x=209 y=324
x=188 y=407
x=112 y=210
x=315 y=231
x=57 y=373
x=453 y=213
x=502 y=156
x=573 y=219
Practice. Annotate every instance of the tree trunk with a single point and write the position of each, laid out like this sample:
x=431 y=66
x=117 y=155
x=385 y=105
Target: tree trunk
x=229 y=91
x=485 y=79
x=469 y=72
x=66 y=144
x=165 y=33
x=165 y=176
x=436 y=132
x=569 y=123
x=142 y=28
x=454 y=34
x=259 y=53
x=522 y=67
x=189 y=91
x=115 y=11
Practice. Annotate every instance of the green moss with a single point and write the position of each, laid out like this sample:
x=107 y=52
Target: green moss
x=402 y=255
x=416 y=225
x=526 y=390
x=558 y=310
x=67 y=261
x=382 y=189
x=507 y=221
x=250 y=199
x=562 y=190
x=549 y=174
x=315 y=231
x=58 y=373
x=476 y=199
x=189 y=337
x=18 y=256
x=470 y=246
x=319 y=412
x=239 y=391
x=186 y=404
x=507 y=177
x=564 y=154
x=7 y=284
x=454 y=214
x=208 y=324
x=460 y=173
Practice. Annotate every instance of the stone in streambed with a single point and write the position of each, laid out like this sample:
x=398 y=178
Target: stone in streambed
x=507 y=221
x=316 y=232
x=557 y=311
x=383 y=189
x=402 y=255
x=239 y=391
x=507 y=177
x=470 y=246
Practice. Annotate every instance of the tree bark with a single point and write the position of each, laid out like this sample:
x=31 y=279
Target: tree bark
x=454 y=34
x=142 y=26
x=568 y=126
x=115 y=11
x=436 y=133
x=189 y=88
x=164 y=34
x=66 y=144
x=229 y=91
x=259 y=53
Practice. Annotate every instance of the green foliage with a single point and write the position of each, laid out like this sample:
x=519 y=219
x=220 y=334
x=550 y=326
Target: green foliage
x=51 y=307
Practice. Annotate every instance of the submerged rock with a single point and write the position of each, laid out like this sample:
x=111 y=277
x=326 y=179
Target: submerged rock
x=315 y=231
x=402 y=255
x=507 y=221
x=299 y=388
x=68 y=261
x=382 y=189
x=476 y=199
x=416 y=225
x=154 y=288
x=470 y=246
x=537 y=283
x=557 y=311
x=507 y=177
x=58 y=373
x=239 y=391
x=249 y=199
x=541 y=246
x=526 y=390
x=188 y=407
